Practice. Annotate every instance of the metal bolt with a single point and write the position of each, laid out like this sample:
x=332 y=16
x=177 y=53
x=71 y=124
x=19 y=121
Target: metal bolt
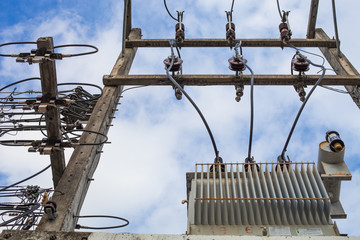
x=99 y=151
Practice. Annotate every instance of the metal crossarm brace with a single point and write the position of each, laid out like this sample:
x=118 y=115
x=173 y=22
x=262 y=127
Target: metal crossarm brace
x=341 y=65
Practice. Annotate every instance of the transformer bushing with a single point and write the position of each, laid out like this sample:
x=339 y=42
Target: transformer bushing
x=333 y=170
x=333 y=138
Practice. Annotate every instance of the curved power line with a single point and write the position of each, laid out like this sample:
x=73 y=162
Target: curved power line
x=87 y=131
x=78 y=226
x=232 y=6
x=278 y=6
x=169 y=12
x=36 y=206
x=282 y=156
x=20 y=81
x=78 y=45
x=25 y=179
x=13 y=43
x=251 y=107
x=190 y=100
x=238 y=45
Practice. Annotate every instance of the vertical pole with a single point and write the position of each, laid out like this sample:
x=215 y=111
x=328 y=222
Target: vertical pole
x=314 y=5
x=73 y=185
x=127 y=22
x=52 y=115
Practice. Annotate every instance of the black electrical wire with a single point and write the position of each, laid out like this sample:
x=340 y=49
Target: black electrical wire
x=237 y=46
x=278 y=6
x=24 y=80
x=78 y=45
x=36 y=206
x=85 y=84
x=169 y=12
x=232 y=6
x=78 y=226
x=88 y=131
x=282 y=156
x=251 y=108
x=190 y=100
x=41 y=127
x=13 y=43
x=28 y=178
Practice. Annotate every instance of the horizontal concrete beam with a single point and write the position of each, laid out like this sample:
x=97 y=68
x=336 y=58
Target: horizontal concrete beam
x=223 y=43
x=205 y=80
x=37 y=235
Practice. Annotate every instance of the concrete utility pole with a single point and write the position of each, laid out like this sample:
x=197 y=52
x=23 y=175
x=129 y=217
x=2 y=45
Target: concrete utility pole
x=52 y=115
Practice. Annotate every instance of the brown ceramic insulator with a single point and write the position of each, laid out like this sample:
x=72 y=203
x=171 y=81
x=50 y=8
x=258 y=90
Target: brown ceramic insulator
x=300 y=65
x=180 y=33
x=230 y=32
x=284 y=32
x=237 y=65
x=176 y=65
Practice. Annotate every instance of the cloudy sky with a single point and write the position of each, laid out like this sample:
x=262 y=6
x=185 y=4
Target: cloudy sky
x=156 y=139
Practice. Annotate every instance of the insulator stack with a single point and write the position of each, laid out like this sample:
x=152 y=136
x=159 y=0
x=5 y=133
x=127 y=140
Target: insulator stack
x=301 y=91
x=284 y=32
x=176 y=65
x=236 y=64
x=180 y=32
x=299 y=64
x=230 y=32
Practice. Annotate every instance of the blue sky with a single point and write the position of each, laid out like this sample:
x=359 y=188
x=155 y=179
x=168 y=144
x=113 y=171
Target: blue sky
x=157 y=139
